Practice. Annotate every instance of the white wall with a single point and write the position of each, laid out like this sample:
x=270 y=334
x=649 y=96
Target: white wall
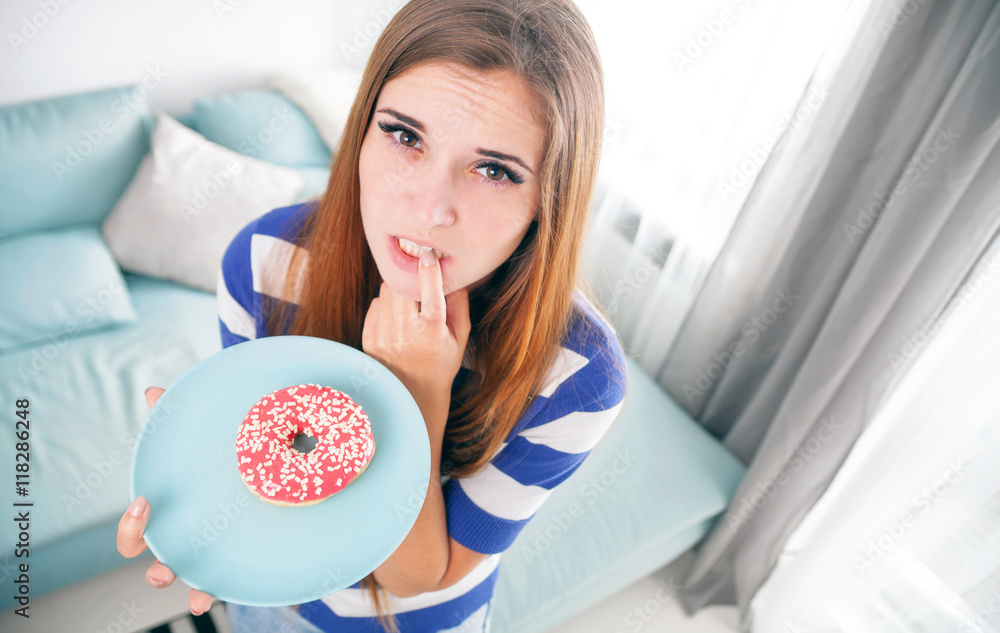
x=200 y=47
x=674 y=131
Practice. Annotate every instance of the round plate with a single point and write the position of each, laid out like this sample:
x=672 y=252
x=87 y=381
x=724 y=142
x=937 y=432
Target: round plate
x=217 y=536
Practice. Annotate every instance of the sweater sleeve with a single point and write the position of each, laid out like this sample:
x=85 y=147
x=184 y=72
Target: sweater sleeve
x=488 y=510
x=234 y=290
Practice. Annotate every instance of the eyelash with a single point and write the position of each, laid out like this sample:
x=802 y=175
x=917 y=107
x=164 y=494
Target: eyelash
x=512 y=176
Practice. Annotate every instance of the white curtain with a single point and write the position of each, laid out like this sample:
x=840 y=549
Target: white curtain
x=907 y=536
x=862 y=225
x=697 y=96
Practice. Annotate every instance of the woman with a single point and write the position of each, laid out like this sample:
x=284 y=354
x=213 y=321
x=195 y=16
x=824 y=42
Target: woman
x=448 y=247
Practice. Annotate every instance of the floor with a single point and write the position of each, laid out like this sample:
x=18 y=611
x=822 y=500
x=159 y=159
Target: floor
x=648 y=605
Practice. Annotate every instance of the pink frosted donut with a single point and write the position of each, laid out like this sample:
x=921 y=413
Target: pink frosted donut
x=280 y=474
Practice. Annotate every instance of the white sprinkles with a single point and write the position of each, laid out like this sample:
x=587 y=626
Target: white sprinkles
x=273 y=469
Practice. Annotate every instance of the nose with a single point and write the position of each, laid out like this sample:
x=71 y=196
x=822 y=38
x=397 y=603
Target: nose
x=433 y=202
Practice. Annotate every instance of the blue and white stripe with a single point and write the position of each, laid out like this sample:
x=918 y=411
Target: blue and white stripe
x=580 y=399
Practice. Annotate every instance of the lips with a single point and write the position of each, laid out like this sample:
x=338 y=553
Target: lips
x=414 y=249
x=409 y=263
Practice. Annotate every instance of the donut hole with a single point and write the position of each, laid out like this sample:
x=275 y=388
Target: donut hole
x=303 y=442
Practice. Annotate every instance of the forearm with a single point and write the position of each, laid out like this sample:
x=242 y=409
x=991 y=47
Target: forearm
x=421 y=560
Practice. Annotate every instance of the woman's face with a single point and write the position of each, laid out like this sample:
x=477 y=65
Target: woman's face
x=450 y=160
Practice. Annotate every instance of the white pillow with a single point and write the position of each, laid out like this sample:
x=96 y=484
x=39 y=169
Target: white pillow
x=324 y=94
x=187 y=201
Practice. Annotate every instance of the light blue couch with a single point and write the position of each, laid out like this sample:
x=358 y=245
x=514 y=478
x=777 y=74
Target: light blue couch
x=652 y=489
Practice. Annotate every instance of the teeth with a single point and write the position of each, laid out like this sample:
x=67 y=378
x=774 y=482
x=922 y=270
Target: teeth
x=414 y=250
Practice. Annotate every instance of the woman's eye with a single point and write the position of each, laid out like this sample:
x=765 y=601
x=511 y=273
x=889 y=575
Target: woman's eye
x=408 y=139
x=403 y=136
x=493 y=172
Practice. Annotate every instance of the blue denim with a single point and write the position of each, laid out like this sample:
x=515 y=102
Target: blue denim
x=244 y=619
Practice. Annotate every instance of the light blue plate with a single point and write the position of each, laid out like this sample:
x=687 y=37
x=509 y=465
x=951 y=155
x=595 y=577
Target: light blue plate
x=216 y=536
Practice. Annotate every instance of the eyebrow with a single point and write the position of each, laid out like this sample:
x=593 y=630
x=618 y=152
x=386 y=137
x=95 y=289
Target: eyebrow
x=489 y=153
x=405 y=119
x=494 y=154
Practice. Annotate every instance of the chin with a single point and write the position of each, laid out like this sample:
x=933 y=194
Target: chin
x=409 y=287
x=415 y=296
x=405 y=288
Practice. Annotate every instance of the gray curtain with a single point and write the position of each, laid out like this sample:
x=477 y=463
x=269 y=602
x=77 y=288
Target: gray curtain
x=856 y=235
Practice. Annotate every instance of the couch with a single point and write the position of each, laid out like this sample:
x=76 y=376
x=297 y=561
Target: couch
x=649 y=491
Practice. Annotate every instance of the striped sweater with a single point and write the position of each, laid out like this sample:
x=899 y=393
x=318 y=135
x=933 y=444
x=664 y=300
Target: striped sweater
x=582 y=396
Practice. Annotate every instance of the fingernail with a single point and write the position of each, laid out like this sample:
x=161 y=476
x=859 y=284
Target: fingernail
x=159 y=583
x=427 y=257
x=137 y=508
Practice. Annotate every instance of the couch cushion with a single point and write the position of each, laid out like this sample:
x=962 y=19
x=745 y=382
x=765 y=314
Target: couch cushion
x=86 y=405
x=57 y=284
x=67 y=160
x=316 y=180
x=325 y=95
x=187 y=201
x=263 y=124
x=652 y=488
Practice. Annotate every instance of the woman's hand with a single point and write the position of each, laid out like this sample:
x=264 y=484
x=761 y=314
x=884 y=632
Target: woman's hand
x=131 y=544
x=424 y=348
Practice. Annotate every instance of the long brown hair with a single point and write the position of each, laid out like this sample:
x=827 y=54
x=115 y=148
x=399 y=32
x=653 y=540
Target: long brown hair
x=523 y=314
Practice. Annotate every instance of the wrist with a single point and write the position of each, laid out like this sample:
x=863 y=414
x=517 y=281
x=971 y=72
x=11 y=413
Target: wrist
x=430 y=389
x=434 y=406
